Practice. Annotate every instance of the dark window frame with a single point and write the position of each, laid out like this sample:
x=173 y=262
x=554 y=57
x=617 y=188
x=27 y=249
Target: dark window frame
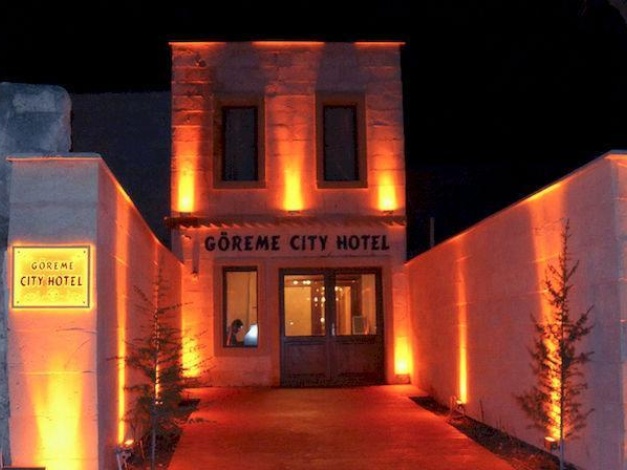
x=223 y=104
x=338 y=100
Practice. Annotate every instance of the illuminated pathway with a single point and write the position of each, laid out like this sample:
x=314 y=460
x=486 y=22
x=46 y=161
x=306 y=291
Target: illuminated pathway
x=348 y=428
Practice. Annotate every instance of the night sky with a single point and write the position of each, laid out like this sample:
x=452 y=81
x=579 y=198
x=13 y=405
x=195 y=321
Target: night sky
x=502 y=97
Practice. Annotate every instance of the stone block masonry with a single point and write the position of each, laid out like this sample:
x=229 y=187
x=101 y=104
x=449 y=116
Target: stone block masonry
x=33 y=118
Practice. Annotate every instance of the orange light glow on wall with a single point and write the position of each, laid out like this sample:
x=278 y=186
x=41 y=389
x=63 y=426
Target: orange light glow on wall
x=186 y=188
x=293 y=199
x=58 y=398
x=121 y=370
x=402 y=356
x=274 y=44
x=462 y=327
x=191 y=357
x=186 y=153
x=191 y=354
x=379 y=43
x=545 y=209
x=386 y=197
x=121 y=395
x=121 y=280
x=463 y=356
x=291 y=149
x=51 y=276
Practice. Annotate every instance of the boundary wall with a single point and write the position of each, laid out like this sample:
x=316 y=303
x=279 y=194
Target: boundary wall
x=35 y=118
x=473 y=299
x=67 y=389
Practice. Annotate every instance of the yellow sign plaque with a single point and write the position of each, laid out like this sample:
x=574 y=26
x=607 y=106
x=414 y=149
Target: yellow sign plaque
x=51 y=276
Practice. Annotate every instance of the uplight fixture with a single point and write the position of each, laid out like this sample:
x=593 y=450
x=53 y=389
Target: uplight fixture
x=550 y=443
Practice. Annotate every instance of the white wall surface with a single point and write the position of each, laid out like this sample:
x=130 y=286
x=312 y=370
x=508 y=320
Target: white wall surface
x=478 y=291
x=67 y=200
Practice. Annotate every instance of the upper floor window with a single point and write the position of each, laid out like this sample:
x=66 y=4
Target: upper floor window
x=341 y=141
x=238 y=143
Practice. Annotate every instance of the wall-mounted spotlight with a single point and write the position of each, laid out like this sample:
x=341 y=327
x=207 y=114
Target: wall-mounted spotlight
x=551 y=444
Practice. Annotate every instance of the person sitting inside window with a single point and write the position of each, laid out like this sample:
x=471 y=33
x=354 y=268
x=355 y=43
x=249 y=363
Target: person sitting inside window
x=232 y=331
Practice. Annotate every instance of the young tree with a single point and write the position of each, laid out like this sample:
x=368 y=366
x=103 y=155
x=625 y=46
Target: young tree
x=554 y=402
x=156 y=354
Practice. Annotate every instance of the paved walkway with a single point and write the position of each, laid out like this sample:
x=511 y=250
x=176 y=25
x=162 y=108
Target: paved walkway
x=363 y=428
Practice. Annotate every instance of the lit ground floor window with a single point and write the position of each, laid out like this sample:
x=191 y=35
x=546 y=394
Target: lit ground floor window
x=240 y=306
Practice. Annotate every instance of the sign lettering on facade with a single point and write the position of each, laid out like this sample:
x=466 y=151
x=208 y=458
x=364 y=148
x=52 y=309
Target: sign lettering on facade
x=51 y=276
x=297 y=243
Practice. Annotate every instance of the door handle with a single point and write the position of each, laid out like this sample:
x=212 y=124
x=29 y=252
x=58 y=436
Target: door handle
x=332 y=329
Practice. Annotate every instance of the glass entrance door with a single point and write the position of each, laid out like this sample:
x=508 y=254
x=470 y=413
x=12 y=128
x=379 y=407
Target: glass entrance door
x=331 y=327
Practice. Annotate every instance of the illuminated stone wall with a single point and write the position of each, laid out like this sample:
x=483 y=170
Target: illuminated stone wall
x=472 y=298
x=286 y=78
x=33 y=118
x=66 y=387
x=131 y=264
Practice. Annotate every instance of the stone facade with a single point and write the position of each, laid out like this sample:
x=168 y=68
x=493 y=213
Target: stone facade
x=33 y=118
x=288 y=82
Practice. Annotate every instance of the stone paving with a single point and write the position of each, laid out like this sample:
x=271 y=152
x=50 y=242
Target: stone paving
x=361 y=428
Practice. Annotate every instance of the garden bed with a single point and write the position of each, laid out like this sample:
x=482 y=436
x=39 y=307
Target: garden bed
x=517 y=453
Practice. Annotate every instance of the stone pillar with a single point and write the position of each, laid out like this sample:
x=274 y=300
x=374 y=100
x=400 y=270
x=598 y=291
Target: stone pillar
x=33 y=119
